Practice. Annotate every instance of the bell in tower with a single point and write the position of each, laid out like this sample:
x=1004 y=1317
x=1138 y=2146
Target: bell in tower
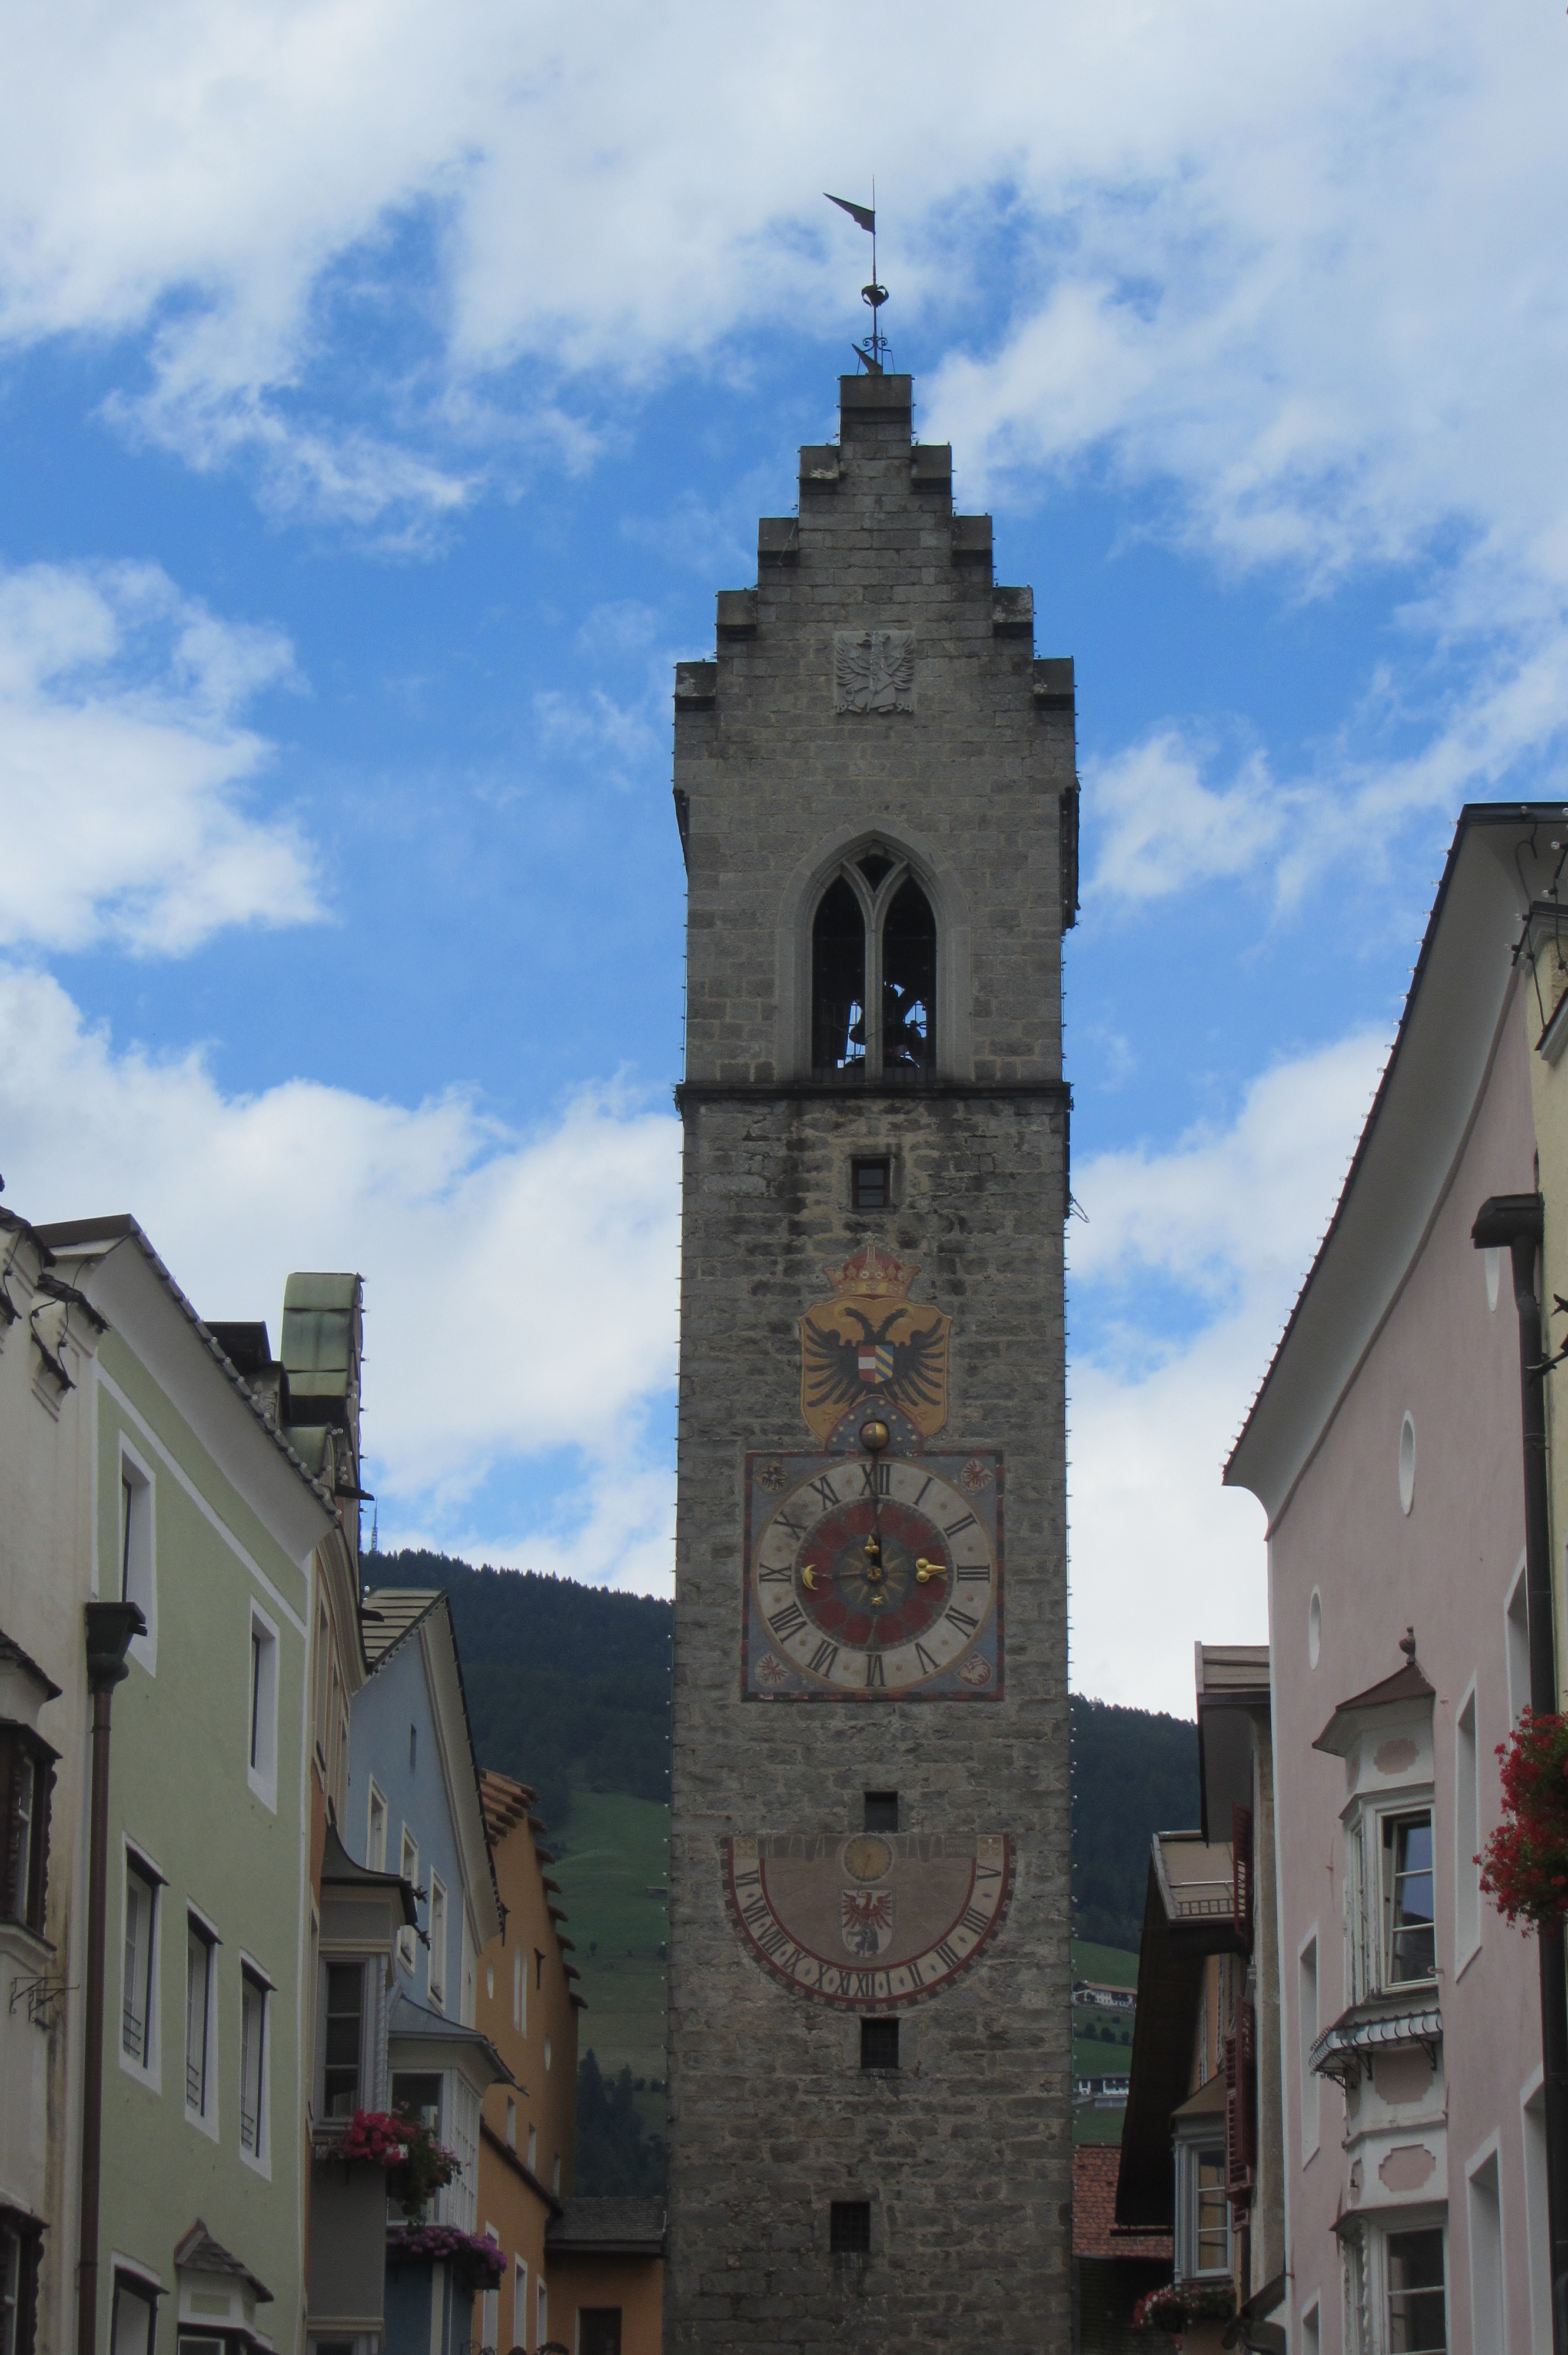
x=870 y=2079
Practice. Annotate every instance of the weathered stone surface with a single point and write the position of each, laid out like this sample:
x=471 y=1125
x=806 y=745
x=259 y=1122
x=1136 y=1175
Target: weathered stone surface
x=964 y=2152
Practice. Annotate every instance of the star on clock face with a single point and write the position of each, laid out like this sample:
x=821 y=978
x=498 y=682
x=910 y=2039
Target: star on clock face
x=873 y=1578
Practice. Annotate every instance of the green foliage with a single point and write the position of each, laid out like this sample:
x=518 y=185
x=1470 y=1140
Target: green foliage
x=567 y=1685
x=614 y=2157
x=1134 y=1774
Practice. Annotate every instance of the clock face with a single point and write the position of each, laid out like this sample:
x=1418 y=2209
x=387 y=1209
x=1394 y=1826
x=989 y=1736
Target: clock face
x=871 y=1578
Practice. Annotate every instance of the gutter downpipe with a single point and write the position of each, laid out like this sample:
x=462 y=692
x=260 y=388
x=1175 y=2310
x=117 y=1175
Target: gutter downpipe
x=1517 y=1222
x=109 y=1628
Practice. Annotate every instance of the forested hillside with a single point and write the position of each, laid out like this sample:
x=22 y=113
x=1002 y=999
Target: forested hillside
x=569 y=1686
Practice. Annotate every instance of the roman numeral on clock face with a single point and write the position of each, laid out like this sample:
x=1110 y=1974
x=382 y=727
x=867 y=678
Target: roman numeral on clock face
x=878 y=1478
x=964 y=1620
x=973 y=1919
x=969 y=1571
x=774 y=1577
x=947 y=1955
x=929 y=1661
x=875 y=1673
x=796 y=1529
x=823 y=1658
x=788 y=1622
x=824 y=1492
x=968 y=1522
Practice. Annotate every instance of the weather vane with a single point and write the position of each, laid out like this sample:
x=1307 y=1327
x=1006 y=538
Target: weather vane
x=873 y=354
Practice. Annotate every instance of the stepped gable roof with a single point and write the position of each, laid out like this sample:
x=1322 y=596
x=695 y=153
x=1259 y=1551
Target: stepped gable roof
x=1095 y=2233
x=1406 y=1684
x=199 y=2253
x=80 y=1234
x=608 y=2228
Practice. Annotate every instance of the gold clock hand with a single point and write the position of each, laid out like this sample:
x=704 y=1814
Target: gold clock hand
x=926 y=1571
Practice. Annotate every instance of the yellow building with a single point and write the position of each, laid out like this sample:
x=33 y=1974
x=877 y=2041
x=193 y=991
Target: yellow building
x=528 y=2008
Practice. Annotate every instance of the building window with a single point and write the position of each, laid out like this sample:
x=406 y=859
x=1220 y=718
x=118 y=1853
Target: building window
x=437 y=1974
x=413 y=1749
x=408 y=1866
x=555 y=2176
x=519 y=2301
x=598 y=2331
x=321 y=1686
x=532 y=2150
x=1414 y=2299
x=138 y=1578
x=1537 y=2230
x=376 y=1836
x=133 y=2321
x=519 y=1993
x=344 y=2043
x=538 y=1970
x=26 y=1784
x=542 y=2311
x=881 y=1811
x=201 y=1964
x=870 y=1182
x=848 y=2228
x=262 y=1769
x=879 y=2044
x=21 y=2245
x=253 y=1993
x=1467 y=1833
x=1202 y=2213
x=1488 y=2326
x=1409 y=1936
x=139 y=2006
x=1306 y=2037
x=489 y=2308
x=511 y=2126
x=874 y=973
x=1516 y=1630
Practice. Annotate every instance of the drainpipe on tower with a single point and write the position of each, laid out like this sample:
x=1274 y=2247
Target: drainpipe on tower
x=1516 y=1222
x=109 y=1628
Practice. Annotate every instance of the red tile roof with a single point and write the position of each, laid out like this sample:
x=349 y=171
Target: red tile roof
x=1095 y=2233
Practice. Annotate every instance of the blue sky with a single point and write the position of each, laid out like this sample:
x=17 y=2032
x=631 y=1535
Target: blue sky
x=385 y=389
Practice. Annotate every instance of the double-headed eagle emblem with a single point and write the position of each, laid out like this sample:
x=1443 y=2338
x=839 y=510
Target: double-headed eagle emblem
x=874 y=670
x=870 y=1344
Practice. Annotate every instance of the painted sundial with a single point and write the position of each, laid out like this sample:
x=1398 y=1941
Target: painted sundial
x=875 y=1918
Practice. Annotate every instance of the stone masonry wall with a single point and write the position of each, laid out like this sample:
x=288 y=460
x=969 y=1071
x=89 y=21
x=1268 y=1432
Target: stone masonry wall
x=965 y=2152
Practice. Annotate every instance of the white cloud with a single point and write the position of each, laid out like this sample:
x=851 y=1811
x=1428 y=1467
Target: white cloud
x=126 y=780
x=1160 y=829
x=520 y=1291
x=1163 y=1555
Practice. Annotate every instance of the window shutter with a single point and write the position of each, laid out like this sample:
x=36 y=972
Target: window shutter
x=1241 y=1874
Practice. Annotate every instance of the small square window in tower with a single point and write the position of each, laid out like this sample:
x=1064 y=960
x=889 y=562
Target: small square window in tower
x=870 y=1182
x=848 y=2228
x=879 y=2044
x=881 y=1811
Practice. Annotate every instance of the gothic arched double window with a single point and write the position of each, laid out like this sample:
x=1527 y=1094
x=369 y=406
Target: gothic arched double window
x=874 y=973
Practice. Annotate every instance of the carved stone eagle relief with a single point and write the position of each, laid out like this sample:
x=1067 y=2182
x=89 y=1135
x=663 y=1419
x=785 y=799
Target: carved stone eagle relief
x=874 y=670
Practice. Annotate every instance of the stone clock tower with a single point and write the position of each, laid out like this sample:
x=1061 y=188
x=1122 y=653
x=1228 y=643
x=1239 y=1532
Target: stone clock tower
x=870 y=2058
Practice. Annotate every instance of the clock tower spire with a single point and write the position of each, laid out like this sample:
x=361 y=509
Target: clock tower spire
x=870 y=2060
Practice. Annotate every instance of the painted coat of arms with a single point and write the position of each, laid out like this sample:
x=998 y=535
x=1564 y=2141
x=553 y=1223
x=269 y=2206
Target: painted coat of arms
x=872 y=1346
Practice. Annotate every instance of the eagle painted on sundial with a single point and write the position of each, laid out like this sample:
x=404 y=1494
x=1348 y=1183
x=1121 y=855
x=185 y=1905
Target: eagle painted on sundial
x=870 y=1344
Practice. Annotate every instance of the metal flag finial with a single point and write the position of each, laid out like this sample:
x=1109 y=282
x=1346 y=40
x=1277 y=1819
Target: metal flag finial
x=873 y=352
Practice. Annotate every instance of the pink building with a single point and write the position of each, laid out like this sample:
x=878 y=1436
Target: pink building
x=1385 y=1446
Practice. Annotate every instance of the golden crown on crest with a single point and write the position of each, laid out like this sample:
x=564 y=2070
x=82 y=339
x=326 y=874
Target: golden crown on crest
x=872 y=1275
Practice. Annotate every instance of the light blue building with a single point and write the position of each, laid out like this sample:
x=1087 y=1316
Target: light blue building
x=414 y=1809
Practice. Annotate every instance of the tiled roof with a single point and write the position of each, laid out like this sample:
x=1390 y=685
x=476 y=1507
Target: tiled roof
x=625 y=2226
x=505 y=1803
x=389 y=1615
x=1095 y=2233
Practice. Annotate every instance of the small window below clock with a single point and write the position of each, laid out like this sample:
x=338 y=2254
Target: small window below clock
x=881 y=1811
x=870 y=1182
x=848 y=2228
x=879 y=2044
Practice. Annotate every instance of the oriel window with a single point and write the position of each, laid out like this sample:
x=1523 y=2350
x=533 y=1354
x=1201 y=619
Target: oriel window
x=874 y=973
x=1410 y=1936
x=345 y=2026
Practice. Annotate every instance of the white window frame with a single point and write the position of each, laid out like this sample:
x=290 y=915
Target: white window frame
x=435 y=1951
x=375 y=1820
x=1538 y=2235
x=490 y=2307
x=519 y=2301
x=460 y=2122
x=136 y=1549
x=253 y=1977
x=1309 y=2011
x=542 y=2309
x=261 y=1708
x=203 y=2115
x=408 y=1938
x=1370 y=1974
x=1191 y=2143
x=1467 y=1907
x=326 y=1964
x=1516 y=1643
x=1365 y=2254
x=148 y=2070
x=1487 y=2247
x=142 y=2283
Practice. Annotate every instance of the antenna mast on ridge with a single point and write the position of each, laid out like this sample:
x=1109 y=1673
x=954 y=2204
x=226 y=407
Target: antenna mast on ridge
x=874 y=353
